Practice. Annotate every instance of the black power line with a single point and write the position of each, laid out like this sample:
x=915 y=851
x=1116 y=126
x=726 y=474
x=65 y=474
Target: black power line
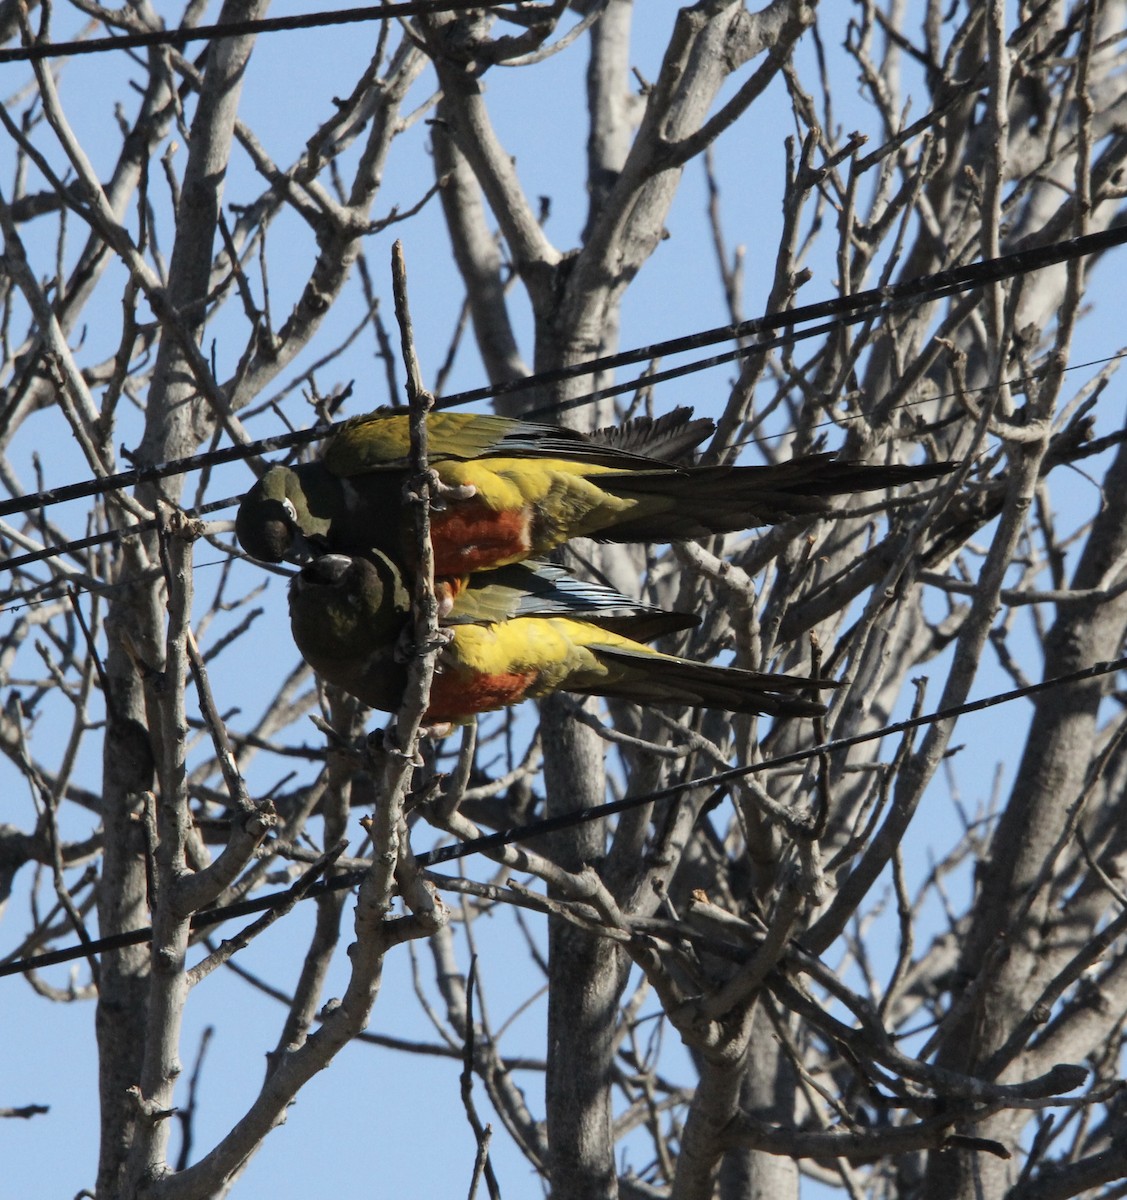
x=205 y=33
x=869 y=302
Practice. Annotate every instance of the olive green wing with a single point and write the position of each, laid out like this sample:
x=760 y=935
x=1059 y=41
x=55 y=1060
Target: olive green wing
x=380 y=441
x=542 y=590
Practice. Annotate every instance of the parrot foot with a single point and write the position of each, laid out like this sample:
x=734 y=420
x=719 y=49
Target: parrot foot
x=439 y=729
x=391 y=745
x=440 y=494
x=406 y=648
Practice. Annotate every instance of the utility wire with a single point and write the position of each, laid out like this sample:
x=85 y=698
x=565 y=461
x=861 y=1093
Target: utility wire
x=868 y=303
x=202 y=33
x=843 y=309
x=108 y=535
x=505 y=837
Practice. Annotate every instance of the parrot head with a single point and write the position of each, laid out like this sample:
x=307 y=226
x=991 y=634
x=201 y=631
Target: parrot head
x=289 y=513
x=352 y=603
x=347 y=615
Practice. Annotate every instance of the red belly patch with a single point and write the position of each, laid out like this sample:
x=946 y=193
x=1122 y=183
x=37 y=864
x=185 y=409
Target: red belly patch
x=468 y=535
x=454 y=695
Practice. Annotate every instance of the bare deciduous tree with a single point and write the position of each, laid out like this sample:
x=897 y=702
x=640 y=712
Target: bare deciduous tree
x=773 y=921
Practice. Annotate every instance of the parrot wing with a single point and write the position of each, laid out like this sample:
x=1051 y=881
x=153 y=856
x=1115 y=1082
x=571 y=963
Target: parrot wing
x=536 y=589
x=380 y=441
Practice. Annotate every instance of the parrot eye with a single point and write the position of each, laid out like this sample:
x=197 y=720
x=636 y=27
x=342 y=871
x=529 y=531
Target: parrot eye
x=289 y=510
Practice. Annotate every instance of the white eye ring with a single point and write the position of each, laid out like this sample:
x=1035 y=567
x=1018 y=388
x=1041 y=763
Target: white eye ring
x=289 y=510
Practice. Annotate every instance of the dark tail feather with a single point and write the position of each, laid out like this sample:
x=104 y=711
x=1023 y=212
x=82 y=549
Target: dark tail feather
x=838 y=477
x=699 y=501
x=647 y=679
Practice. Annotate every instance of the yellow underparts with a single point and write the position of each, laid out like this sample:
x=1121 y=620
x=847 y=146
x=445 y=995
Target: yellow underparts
x=565 y=495
x=556 y=649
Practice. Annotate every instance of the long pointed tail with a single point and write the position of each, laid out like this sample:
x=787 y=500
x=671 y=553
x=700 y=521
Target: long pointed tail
x=704 y=500
x=648 y=678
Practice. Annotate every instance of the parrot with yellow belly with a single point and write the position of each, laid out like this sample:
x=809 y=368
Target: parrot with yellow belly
x=518 y=490
x=520 y=632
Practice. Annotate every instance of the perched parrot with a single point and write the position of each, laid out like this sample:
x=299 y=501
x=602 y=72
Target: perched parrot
x=516 y=633
x=524 y=489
